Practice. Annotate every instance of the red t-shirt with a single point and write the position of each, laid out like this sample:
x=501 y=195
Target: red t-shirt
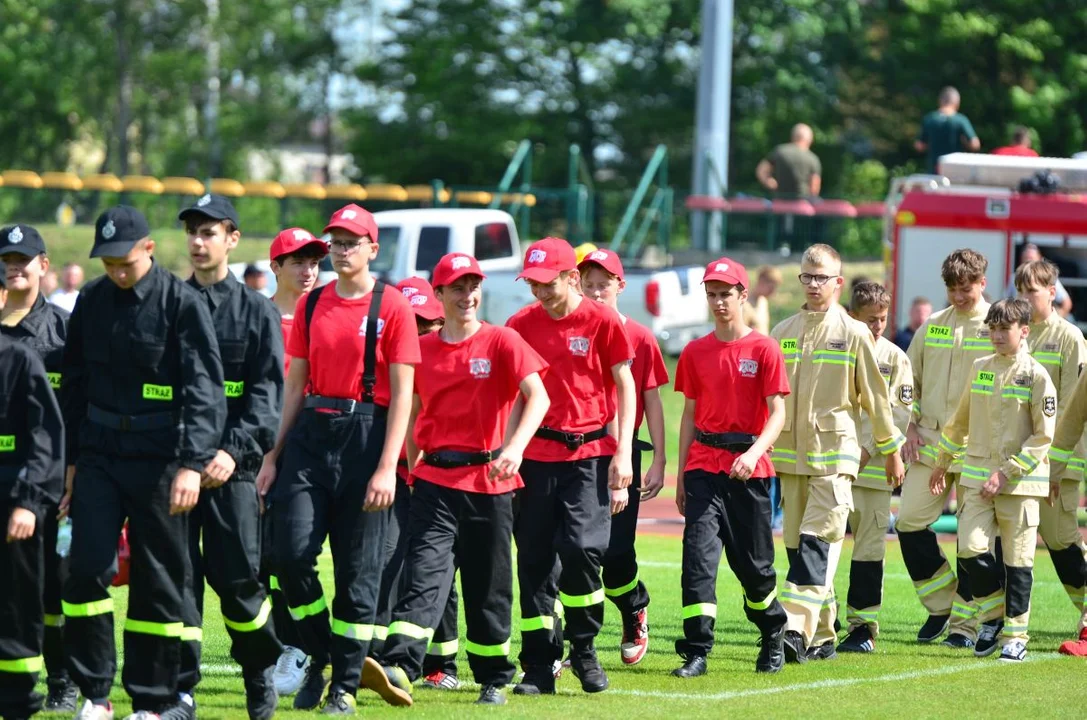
x=338 y=340
x=285 y=323
x=1015 y=150
x=580 y=350
x=647 y=367
x=466 y=393
x=729 y=382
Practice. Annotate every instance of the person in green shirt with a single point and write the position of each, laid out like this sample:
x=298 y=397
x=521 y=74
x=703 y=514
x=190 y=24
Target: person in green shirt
x=792 y=170
x=945 y=131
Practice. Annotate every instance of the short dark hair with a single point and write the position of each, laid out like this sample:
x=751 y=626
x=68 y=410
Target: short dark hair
x=868 y=293
x=252 y=271
x=857 y=281
x=1008 y=312
x=309 y=250
x=1020 y=134
x=964 y=266
x=193 y=221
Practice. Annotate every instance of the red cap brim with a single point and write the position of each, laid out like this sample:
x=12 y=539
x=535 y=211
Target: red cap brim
x=539 y=274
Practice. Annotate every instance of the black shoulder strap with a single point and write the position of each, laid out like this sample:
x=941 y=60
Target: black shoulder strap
x=311 y=305
x=369 y=356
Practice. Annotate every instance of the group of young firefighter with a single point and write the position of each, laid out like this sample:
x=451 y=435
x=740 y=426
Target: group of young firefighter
x=233 y=436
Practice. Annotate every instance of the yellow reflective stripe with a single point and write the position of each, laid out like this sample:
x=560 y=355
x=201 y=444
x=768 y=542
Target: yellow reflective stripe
x=234 y=388
x=488 y=650
x=946 y=444
x=380 y=632
x=973 y=472
x=90 y=609
x=444 y=649
x=559 y=610
x=799 y=596
x=582 y=601
x=762 y=604
x=401 y=627
x=255 y=624
x=146 y=627
x=7 y=443
x=158 y=392
x=25 y=665
x=1049 y=358
x=273 y=582
x=301 y=613
x=192 y=634
x=354 y=631
x=699 y=609
x=54 y=380
x=936 y=584
x=977 y=344
x=962 y=610
x=929 y=452
x=545 y=622
x=622 y=589
x=53 y=620
x=991 y=604
x=869 y=615
x=889 y=445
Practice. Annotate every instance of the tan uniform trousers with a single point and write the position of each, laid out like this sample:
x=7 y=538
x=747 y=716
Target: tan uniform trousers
x=869 y=521
x=1060 y=532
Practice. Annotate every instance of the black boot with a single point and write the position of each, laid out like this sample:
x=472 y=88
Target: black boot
x=772 y=653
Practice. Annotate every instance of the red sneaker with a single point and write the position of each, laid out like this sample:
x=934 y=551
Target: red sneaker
x=1077 y=648
x=439 y=680
x=635 y=638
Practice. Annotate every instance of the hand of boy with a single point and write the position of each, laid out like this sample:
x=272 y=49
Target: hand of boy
x=1054 y=493
x=911 y=451
x=994 y=485
x=895 y=469
x=936 y=482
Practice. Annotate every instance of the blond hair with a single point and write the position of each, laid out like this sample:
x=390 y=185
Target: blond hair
x=821 y=254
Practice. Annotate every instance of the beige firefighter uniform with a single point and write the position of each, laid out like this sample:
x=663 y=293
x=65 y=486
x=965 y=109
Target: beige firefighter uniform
x=1006 y=421
x=833 y=373
x=1070 y=429
x=1059 y=346
x=941 y=354
x=871 y=514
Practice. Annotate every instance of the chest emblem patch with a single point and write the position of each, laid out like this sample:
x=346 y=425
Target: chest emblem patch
x=836 y=345
x=380 y=327
x=1049 y=405
x=480 y=368
x=749 y=368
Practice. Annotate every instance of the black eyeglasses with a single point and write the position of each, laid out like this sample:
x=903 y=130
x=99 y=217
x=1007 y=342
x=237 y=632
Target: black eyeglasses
x=817 y=280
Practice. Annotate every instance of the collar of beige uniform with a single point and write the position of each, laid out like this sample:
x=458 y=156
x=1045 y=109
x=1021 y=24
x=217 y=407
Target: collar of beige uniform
x=815 y=316
x=1007 y=360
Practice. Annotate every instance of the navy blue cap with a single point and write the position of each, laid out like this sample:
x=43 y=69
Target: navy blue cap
x=21 y=239
x=118 y=230
x=215 y=207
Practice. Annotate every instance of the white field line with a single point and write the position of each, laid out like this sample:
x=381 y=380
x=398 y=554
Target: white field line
x=824 y=684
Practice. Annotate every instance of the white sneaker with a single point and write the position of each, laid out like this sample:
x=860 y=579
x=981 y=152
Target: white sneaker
x=90 y=711
x=290 y=670
x=1014 y=651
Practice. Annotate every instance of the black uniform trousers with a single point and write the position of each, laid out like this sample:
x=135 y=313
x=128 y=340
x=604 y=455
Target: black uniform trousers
x=478 y=530
x=622 y=585
x=21 y=632
x=327 y=464
x=56 y=572
x=229 y=518
x=442 y=653
x=269 y=579
x=735 y=515
x=564 y=518
x=108 y=489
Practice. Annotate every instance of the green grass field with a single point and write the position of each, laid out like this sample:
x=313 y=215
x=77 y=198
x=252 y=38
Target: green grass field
x=901 y=679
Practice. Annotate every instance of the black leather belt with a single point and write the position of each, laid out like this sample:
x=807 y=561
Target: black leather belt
x=642 y=446
x=733 y=442
x=343 y=405
x=572 y=440
x=458 y=458
x=131 y=423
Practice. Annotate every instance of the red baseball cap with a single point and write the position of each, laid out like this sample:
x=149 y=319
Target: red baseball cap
x=606 y=259
x=547 y=258
x=728 y=271
x=292 y=240
x=453 y=266
x=420 y=295
x=355 y=220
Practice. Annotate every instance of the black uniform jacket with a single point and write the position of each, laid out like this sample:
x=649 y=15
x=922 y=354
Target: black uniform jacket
x=136 y=355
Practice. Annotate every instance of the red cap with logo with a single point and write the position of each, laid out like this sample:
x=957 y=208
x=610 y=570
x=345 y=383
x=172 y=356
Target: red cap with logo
x=355 y=220
x=454 y=266
x=547 y=258
x=292 y=240
x=420 y=295
x=728 y=271
x=606 y=259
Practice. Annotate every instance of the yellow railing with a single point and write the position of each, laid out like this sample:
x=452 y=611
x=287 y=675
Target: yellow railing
x=232 y=188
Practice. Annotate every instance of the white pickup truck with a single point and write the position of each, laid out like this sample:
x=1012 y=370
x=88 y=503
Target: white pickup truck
x=669 y=301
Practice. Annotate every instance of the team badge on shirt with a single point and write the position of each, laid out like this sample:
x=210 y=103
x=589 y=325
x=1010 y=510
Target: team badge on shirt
x=1051 y=347
x=905 y=394
x=1022 y=380
x=380 y=327
x=1049 y=405
x=885 y=370
x=579 y=346
x=480 y=368
x=748 y=367
x=836 y=344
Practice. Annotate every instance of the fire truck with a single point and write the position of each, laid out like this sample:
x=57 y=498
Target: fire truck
x=975 y=202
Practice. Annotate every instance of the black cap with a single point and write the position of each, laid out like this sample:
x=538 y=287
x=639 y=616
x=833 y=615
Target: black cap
x=118 y=230
x=3 y=275
x=215 y=207
x=21 y=239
